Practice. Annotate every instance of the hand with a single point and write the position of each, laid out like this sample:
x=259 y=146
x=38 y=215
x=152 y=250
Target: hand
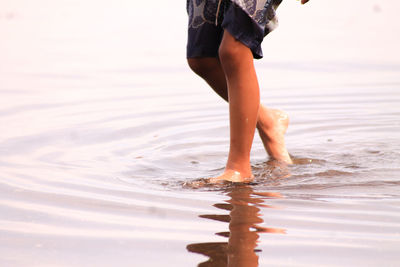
x=304 y=1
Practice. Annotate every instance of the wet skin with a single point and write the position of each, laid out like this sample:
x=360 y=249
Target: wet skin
x=232 y=76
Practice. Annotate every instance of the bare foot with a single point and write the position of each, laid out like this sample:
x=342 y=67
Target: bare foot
x=232 y=176
x=272 y=125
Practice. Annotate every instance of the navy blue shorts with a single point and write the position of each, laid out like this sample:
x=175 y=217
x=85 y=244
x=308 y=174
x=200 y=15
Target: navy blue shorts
x=209 y=18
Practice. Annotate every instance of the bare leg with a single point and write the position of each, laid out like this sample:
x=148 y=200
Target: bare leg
x=244 y=99
x=271 y=124
x=210 y=69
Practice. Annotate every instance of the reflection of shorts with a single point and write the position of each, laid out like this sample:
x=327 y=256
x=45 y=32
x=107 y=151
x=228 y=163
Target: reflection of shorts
x=209 y=18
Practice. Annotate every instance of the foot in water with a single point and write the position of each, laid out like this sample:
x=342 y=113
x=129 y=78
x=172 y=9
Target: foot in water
x=272 y=125
x=232 y=176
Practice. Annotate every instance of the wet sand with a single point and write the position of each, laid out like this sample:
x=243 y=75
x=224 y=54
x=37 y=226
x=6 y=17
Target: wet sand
x=104 y=129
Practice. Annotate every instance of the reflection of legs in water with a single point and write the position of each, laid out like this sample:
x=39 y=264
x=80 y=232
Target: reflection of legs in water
x=243 y=219
x=234 y=72
x=242 y=240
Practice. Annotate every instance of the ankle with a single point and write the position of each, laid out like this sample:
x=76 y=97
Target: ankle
x=243 y=169
x=237 y=176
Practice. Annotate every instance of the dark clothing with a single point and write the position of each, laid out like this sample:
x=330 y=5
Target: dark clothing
x=249 y=21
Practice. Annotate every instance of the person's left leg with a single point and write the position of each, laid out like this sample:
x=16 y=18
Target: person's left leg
x=210 y=69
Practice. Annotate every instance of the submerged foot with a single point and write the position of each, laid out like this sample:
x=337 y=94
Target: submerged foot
x=272 y=125
x=226 y=179
x=232 y=176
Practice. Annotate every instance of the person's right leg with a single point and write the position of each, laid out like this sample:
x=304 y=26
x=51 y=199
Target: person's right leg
x=244 y=99
x=271 y=123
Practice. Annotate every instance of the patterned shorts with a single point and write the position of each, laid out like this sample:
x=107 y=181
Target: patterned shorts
x=249 y=21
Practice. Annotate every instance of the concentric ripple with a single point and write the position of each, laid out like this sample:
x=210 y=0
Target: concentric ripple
x=100 y=146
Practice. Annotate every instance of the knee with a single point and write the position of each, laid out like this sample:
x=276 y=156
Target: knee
x=195 y=65
x=229 y=55
x=200 y=66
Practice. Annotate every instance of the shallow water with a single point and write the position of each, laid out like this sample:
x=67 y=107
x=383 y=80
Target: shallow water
x=102 y=135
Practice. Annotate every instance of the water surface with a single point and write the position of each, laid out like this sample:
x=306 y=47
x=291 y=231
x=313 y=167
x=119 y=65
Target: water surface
x=104 y=129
